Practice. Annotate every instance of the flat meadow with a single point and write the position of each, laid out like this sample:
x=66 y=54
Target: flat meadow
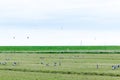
x=59 y=66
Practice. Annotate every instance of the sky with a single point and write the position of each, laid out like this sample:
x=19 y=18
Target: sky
x=59 y=22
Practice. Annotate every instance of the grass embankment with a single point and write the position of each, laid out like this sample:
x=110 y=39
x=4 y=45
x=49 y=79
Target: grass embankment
x=63 y=49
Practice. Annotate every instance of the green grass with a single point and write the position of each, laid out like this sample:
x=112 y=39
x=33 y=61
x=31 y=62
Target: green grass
x=56 y=48
x=13 y=75
x=73 y=66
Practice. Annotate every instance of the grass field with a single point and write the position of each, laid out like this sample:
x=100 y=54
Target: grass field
x=59 y=66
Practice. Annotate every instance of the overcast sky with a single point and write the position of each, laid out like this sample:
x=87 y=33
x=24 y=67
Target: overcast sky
x=59 y=22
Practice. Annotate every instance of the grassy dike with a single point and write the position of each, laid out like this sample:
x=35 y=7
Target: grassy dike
x=63 y=49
